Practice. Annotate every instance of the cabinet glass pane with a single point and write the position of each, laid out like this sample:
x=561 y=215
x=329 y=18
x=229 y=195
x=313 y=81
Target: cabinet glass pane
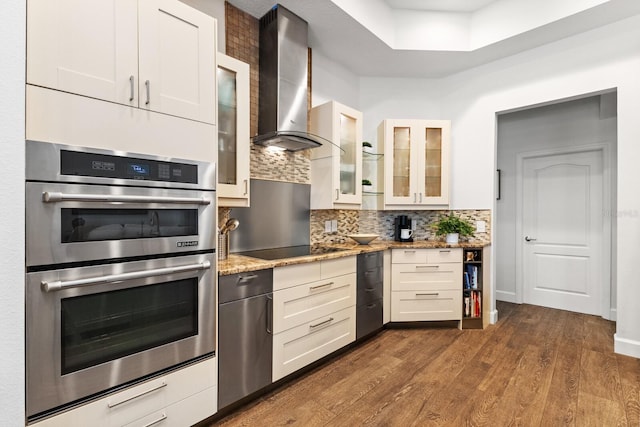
x=227 y=126
x=433 y=162
x=401 y=161
x=348 y=156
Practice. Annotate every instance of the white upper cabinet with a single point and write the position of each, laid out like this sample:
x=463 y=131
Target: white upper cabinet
x=152 y=54
x=233 y=132
x=336 y=169
x=416 y=163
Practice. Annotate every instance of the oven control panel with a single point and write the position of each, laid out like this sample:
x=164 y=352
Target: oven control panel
x=80 y=163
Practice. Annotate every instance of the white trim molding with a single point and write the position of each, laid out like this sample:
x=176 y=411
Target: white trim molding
x=493 y=318
x=626 y=346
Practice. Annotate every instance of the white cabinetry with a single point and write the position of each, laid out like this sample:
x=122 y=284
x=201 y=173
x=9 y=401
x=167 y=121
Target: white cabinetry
x=425 y=284
x=157 y=55
x=233 y=132
x=180 y=398
x=416 y=163
x=336 y=169
x=314 y=312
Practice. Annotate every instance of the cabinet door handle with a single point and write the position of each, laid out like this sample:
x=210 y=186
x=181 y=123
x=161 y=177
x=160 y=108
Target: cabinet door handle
x=158 y=421
x=371 y=305
x=317 y=325
x=414 y=197
x=246 y=187
x=269 y=314
x=313 y=288
x=243 y=279
x=434 y=294
x=143 y=393
x=337 y=194
x=131 y=94
x=147 y=86
x=420 y=197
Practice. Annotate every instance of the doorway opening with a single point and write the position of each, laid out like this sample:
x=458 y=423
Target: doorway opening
x=554 y=228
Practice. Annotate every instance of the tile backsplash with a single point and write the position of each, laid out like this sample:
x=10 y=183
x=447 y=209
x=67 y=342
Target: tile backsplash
x=381 y=223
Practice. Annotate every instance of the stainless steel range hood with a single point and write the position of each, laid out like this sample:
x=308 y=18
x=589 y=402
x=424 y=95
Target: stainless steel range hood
x=282 y=118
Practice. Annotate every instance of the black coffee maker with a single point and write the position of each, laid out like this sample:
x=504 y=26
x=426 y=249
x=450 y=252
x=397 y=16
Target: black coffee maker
x=402 y=222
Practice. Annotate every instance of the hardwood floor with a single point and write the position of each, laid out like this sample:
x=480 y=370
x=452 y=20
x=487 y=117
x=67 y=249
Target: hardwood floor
x=535 y=367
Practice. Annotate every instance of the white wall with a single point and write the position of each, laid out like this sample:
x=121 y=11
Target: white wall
x=12 y=83
x=567 y=124
x=331 y=81
x=604 y=58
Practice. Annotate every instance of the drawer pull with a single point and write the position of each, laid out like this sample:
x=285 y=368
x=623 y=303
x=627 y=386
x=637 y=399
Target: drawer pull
x=427 y=266
x=409 y=252
x=445 y=251
x=323 y=323
x=243 y=279
x=144 y=393
x=434 y=294
x=371 y=305
x=313 y=288
x=158 y=421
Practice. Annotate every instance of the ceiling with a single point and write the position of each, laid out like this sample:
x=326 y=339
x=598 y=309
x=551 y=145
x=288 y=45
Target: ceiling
x=440 y=5
x=338 y=35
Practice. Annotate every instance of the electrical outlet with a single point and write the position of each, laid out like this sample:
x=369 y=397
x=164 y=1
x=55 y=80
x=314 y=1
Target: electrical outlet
x=414 y=224
x=334 y=225
x=327 y=226
x=481 y=227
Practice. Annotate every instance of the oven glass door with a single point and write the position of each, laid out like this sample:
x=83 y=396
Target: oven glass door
x=93 y=328
x=76 y=223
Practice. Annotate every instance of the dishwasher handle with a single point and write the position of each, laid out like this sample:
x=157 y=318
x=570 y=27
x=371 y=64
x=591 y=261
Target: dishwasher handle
x=270 y=314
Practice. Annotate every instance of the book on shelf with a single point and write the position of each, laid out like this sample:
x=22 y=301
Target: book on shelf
x=471 y=274
x=467 y=282
x=473 y=304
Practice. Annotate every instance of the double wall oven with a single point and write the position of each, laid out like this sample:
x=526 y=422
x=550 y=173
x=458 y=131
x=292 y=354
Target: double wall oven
x=120 y=254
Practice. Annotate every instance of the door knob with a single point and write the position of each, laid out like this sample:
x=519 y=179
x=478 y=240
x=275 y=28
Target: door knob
x=529 y=239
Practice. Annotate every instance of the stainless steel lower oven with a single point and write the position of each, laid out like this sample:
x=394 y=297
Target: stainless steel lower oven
x=120 y=282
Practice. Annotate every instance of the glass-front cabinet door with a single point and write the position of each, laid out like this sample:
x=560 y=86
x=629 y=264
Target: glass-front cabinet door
x=336 y=167
x=233 y=132
x=416 y=164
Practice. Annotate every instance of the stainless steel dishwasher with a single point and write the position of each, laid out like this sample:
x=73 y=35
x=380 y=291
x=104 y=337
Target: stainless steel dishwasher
x=245 y=341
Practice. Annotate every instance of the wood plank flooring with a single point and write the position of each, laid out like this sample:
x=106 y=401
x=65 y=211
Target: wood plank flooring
x=535 y=367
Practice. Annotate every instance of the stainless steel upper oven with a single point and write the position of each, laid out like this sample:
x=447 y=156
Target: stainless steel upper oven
x=88 y=204
x=120 y=270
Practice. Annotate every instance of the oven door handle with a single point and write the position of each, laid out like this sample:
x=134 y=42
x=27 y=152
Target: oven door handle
x=59 y=285
x=53 y=197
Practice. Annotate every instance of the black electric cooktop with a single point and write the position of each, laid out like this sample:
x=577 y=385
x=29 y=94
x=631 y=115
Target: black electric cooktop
x=289 y=252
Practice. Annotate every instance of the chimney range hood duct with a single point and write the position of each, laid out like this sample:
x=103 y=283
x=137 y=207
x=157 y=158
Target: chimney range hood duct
x=282 y=118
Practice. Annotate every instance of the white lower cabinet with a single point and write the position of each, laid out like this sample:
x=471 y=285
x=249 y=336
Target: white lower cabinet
x=297 y=347
x=426 y=284
x=180 y=398
x=314 y=312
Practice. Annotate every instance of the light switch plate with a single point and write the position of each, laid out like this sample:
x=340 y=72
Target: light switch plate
x=327 y=226
x=334 y=225
x=481 y=226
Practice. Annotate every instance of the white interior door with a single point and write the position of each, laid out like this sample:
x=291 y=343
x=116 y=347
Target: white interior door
x=562 y=231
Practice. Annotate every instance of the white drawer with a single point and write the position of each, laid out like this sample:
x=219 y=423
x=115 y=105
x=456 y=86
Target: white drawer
x=141 y=400
x=439 y=256
x=292 y=275
x=409 y=256
x=338 y=267
x=186 y=412
x=411 y=277
x=411 y=306
x=300 y=304
x=297 y=347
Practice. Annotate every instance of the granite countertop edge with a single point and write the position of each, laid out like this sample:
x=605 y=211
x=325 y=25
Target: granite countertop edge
x=235 y=264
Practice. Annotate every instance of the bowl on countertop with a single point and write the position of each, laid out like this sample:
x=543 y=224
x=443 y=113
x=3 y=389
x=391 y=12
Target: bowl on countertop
x=363 y=239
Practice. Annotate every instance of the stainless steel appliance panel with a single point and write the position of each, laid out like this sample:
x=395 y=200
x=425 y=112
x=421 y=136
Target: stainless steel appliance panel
x=279 y=216
x=245 y=337
x=369 y=293
x=87 y=332
x=77 y=222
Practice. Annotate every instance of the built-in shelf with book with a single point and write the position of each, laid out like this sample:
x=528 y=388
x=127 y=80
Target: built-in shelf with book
x=472 y=289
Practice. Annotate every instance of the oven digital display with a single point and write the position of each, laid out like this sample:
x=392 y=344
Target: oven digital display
x=139 y=169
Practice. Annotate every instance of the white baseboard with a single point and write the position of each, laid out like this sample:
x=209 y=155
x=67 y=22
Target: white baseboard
x=626 y=346
x=493 y=317
x=506 y=296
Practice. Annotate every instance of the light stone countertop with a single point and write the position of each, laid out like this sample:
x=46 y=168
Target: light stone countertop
x=241 y=264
